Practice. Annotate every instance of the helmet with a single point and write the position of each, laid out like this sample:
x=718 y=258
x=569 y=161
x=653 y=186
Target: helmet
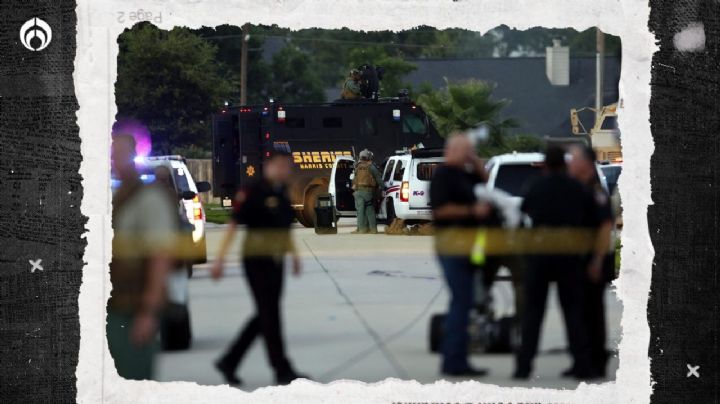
x=366 y=155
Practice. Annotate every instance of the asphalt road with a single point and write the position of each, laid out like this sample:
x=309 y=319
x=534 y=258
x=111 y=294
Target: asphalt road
x=359 y=311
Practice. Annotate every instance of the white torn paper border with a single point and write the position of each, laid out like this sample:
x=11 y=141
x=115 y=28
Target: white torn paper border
x=99 y=25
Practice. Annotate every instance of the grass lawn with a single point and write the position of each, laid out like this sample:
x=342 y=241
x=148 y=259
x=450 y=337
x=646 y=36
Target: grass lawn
x=214 y=213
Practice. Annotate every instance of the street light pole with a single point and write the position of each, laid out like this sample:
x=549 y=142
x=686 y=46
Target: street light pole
x=599 y=72
x=243 y=63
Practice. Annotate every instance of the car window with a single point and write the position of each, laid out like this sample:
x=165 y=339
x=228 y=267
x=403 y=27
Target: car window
x=399 y=170
x=388 y=170
x=513 y=178
x=413 y=124
x=182 y=180
x=425 y=171
x=611 y=173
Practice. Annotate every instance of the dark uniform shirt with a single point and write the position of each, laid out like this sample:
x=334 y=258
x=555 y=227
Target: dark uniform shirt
x=557 y=200
x=602 y=209
x=266 y=211
x=456 y=186
x=452 y=185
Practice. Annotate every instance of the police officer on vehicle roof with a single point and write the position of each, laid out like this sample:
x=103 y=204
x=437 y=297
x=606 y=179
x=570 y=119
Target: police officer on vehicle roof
x=352 y=87
x=366 y=180
x=265 y=209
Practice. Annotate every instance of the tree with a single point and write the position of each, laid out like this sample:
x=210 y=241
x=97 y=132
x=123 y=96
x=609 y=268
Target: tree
x=228 y=40
x=169 y=81
x=466 y=105
x=293 y=79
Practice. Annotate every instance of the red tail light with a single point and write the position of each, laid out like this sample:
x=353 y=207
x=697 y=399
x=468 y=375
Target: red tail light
x=197 y=209
x=405 y=192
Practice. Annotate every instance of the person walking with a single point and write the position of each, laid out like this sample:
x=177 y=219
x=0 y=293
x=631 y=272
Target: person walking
x=264 y=207
x=556 y=203
x=365 y=182
x=457 y=214
x=600 y=262
x=144 y=226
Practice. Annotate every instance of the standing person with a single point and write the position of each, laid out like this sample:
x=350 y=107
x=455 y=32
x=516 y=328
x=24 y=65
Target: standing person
x=351 y=88
x=265 y=209
x=555 y=203
x=366 y=180
x=600 y=262
x=457 y=213
x=175 y=329
x=144 y=228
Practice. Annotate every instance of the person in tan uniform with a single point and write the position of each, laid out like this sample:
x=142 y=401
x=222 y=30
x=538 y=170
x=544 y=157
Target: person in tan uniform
x=366 y=180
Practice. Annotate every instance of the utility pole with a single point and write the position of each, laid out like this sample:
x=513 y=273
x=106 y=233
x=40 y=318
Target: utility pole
x=243 y=63
x=599 y=72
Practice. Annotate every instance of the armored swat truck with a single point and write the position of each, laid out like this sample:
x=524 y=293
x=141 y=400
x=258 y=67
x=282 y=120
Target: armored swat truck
x=314 y=134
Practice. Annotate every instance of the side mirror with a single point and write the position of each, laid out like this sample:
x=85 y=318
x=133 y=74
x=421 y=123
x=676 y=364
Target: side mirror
x=188 y=195
x=203 y=186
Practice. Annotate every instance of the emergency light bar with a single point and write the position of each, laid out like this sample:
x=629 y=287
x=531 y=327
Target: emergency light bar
x=175 y=157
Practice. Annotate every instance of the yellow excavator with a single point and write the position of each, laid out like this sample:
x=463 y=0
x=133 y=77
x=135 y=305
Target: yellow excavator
x=604 y=135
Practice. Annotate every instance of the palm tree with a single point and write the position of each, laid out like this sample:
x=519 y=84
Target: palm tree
x=466 y=105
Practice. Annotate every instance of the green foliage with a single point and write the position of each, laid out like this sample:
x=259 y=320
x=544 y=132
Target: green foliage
x=395 y=68
x=292 y=78
x=466 y=105
x=169 y=81
x=192 y=152
x=214 y=213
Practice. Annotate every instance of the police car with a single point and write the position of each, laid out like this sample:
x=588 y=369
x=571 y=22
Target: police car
x=184 y=184
x=406 y=185
x=405 y=189
x=511 y=173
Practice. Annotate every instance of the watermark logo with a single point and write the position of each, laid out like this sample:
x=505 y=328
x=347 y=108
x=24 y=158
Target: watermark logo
x=35 y=34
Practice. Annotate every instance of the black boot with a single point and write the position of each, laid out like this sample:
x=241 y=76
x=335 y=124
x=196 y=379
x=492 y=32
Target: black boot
x=286 y=378
x=228 y=373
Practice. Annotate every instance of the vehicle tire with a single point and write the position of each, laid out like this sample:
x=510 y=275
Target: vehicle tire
x=175 y=329
x=437 y=331
x=390 y=210
x=300 y=216
x=311 y=196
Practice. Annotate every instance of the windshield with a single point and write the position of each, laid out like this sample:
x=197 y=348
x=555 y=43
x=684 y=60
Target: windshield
x=413 y=124
x=513 y=178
